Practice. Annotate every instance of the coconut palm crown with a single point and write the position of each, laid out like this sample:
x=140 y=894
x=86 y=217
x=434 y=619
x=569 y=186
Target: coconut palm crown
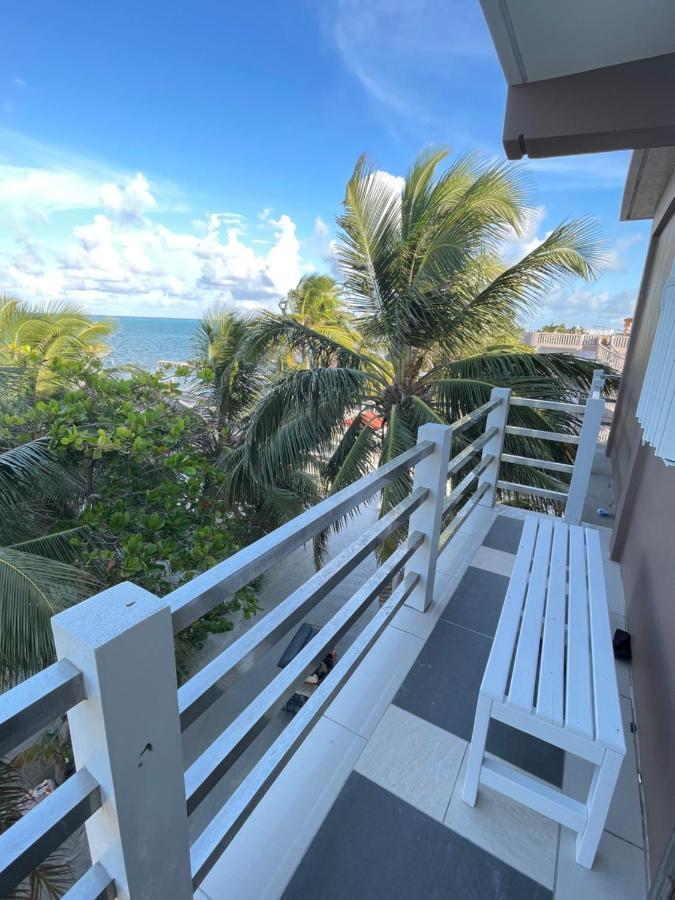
x=35 y=337
x=427 y=289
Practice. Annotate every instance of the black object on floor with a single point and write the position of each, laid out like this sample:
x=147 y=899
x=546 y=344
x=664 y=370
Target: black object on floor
x=302 y=636
x=622 y=645
x=295 y=703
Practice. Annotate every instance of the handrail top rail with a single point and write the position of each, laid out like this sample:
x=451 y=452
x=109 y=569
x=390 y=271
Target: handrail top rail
x=475 y=415
x=560 y=436
x=36 y=702
x=557 y=405
x=192 y=600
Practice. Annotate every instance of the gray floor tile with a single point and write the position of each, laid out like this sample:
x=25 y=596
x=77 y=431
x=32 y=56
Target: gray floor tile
x=374 y=845
x=442 y=687
x=477 y=601
x=504 y=534
x=527 y=752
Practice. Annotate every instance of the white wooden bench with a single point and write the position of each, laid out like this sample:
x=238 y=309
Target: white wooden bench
x=551 y=674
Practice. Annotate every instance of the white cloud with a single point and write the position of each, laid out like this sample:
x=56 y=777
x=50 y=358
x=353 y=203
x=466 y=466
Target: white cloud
x=48 y=181
x=400 y=49
x=122 y=243
x=130 y=202
x=121 y=256
x=615 y=258
x=586 y=307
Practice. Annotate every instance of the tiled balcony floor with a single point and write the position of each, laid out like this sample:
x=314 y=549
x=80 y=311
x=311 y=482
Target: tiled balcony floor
x=371 y=804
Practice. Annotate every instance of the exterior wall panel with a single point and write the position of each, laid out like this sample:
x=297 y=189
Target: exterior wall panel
x=644 y=541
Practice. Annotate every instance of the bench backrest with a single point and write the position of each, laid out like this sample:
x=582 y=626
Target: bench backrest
x=552 y=653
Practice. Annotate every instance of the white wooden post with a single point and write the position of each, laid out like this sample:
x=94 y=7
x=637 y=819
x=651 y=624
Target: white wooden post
x=588 y=442
x=600 y=796
x=431 y=473
x=476 y=753
x=127 y=734
x=497 y=418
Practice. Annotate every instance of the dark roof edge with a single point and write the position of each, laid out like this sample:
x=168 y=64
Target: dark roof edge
x=648 y=175
x=625 y=106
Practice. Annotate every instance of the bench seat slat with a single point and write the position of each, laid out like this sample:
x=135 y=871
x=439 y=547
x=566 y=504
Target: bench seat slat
x=608 y=724
x=550 y=692
x=578 y=699
x=523 y=679
x=499 y=661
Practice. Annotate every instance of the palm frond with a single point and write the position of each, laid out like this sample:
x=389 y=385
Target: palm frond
x=32 y=470
x=32 y=589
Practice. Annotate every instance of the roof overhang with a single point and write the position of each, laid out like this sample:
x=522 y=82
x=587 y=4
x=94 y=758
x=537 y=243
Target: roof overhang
x=648 y=174
x=620 y=107
x=585 y=77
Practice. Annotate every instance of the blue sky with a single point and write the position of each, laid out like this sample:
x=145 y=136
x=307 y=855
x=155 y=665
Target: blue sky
x=157 y=158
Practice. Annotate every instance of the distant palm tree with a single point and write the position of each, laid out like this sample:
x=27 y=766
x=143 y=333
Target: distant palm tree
x=235 y=374
x=426 y=287
x=34 y=337
x=37 y=575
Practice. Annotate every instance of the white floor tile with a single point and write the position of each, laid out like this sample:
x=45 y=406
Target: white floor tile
x=479 y=521
x=261 y=859
x=458 y=554
x=625 y=812
x=496 y=561
x=362 y=701
x=617 y=874
x=508 y=830
x=413 y=759
x=515 y=512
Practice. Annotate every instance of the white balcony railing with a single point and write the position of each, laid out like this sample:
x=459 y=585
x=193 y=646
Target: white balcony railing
x=115 y=675
x=609 y=349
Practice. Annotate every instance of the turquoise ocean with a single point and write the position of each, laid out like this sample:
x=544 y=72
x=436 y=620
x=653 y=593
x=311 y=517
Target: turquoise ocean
x=144 y=341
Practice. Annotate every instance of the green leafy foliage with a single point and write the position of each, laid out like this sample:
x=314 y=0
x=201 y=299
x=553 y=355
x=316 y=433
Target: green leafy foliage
x=146 y=506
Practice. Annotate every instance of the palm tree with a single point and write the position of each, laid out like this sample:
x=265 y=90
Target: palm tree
x=317 y=303
x=34 y=338
x=427 y=289
x=234 y=374
x=37 y=575
x=53 y=877
x=233 y=379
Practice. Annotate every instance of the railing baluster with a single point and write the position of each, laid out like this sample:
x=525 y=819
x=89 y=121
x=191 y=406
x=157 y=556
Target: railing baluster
x=431 y=473
x=497 y=419
x=127 y=735
x=588 y=442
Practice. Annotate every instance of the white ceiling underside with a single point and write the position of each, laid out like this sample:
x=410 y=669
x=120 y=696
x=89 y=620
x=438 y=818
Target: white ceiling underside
x=538 y=39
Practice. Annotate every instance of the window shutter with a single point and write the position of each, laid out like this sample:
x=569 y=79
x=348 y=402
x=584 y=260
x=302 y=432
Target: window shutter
x=656 y=409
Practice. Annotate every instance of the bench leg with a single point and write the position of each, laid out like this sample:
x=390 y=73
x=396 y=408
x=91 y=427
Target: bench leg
x=476 y=750
x=599 y=798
